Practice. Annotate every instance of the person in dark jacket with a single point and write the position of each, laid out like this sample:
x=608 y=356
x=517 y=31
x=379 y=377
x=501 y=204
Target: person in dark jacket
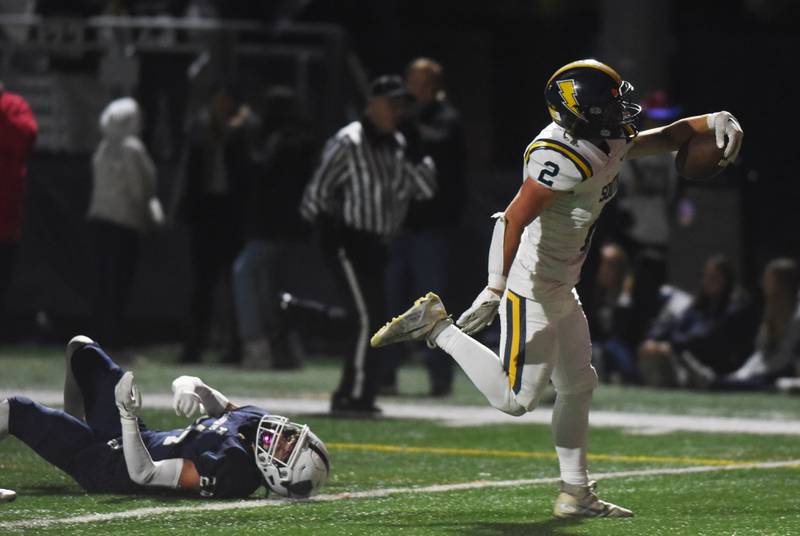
x=717 y=331
x=419 y=257
x=210 y=198
x=283 y=163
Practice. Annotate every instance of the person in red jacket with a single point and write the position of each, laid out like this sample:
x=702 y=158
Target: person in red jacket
x=17 y=133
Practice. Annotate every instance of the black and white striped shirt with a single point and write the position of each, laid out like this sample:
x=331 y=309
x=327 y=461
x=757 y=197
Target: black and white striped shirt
x=367 y=183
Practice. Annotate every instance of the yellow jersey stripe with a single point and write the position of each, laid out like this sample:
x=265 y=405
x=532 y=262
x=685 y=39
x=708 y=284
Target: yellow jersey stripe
x=515 y=338
x=583 y=165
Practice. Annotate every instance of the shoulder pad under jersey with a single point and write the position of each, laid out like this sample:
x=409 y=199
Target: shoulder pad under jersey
x=556 y=164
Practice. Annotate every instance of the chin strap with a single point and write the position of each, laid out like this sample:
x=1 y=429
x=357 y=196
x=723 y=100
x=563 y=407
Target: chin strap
x=496 y=279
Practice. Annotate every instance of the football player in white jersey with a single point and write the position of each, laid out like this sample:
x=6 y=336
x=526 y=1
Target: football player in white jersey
x=537 y=250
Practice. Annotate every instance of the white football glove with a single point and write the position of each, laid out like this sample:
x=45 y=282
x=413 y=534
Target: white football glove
x=481 y=313
x=724 y=126
x=185 y=401
x=191 y=396
x=127 y=397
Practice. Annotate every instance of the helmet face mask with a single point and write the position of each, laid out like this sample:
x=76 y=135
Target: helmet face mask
x=589 y=100
x=293 y=461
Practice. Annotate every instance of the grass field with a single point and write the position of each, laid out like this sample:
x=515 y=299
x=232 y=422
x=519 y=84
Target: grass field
x=393 y=476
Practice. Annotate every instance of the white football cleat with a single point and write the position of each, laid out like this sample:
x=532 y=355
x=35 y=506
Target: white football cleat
x=7 y=495
x=424 y=320
x=582 y=501
x=76 y=343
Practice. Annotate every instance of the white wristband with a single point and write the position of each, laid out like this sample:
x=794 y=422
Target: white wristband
x=497 y=281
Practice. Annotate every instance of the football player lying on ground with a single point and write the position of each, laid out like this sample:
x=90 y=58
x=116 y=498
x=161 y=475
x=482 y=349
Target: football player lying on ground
x=100 y=442
x=537 y=250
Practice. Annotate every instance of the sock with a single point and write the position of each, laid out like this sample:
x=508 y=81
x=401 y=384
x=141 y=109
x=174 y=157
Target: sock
x=570 y=434
x=482 y=367
x=5 y=411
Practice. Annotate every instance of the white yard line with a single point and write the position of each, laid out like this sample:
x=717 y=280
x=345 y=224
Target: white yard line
x=479 y=415
x=371 y=494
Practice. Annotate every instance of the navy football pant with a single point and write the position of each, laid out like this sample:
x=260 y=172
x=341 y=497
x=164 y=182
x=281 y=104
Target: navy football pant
x=79 y=448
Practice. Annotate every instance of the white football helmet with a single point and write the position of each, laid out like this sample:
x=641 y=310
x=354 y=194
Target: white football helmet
x=293 y=460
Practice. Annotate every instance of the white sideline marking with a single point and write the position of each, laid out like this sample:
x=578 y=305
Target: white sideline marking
x=479 y=415
x=371 y=494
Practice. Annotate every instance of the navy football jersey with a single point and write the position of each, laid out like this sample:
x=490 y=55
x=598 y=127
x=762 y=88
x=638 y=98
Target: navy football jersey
x=219 y=448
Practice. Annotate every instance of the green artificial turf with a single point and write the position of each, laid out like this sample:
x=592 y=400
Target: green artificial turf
x=380 y=454
x=42 y=368
x=725 y=502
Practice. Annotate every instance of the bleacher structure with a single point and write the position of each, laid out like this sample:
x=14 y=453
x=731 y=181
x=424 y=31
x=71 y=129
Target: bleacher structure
x=70 y=67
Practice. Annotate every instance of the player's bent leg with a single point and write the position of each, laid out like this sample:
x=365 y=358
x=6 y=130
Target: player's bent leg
x=483 y=367
x=73 y=398
x=528 y=347
x=54 y=435
x=424 y=320
x=97 y=375
x=514 y=381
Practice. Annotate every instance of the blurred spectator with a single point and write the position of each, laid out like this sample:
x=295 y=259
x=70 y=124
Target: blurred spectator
x=716 y=330
x=271 y=223
x=419 y=255
x=613 y=350
x=642 y=215
x=358 y=199
x=777 y=352
x=649 y=186
x=210 y=199
x=17 y=134
x=123 y=205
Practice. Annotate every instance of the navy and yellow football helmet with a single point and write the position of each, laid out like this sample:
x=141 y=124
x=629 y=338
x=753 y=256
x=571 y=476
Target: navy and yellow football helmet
x=588 y=99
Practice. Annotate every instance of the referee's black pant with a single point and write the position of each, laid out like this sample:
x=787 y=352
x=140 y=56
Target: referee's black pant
x=358 y=260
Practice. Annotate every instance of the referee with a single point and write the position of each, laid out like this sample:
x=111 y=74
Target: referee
x=358 y=199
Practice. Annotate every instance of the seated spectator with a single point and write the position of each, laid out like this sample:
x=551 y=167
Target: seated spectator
x=716 y=331
x=777 y=352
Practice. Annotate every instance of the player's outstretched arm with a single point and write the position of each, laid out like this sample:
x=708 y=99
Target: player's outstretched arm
x=141 y=467
x=669 y=138
x=531 y=199
x=191 y=396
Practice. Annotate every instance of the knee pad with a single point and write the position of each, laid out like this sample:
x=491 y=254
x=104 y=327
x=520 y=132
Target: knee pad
x=579 y=382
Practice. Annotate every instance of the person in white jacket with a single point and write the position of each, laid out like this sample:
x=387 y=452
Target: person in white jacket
x=123 y=205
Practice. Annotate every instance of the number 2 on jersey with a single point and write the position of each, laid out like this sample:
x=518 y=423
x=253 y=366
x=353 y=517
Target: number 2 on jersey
x=551 y=170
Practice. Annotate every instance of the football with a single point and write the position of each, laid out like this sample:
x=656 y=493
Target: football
x=698 y=157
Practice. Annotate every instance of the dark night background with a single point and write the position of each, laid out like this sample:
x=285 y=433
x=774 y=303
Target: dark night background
x=709 y=56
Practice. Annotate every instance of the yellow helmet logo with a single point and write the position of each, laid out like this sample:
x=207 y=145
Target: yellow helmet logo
x=567 y=90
